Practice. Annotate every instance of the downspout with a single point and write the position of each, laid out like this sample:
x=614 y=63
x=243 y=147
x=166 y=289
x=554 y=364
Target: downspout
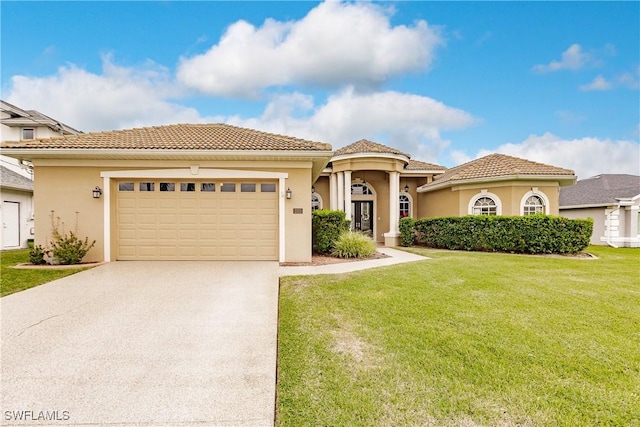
x=609 y=242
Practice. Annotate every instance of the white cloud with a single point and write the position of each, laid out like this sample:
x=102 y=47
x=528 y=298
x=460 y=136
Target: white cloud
x=572 y=59
x=586 y=156
x=599 y=83
x=408 y=122
x=335 y=44
x=118 y=98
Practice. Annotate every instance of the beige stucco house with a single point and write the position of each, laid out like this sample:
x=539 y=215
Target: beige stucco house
x=220 y=192
x=377 y=185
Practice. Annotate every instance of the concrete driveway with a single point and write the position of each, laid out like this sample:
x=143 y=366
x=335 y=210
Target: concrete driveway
x=154 y=343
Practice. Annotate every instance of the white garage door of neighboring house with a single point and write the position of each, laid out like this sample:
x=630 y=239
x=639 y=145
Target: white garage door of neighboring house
x=159 y=219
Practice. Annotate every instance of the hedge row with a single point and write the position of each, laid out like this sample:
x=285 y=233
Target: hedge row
x=531 y=234
x=327 y=225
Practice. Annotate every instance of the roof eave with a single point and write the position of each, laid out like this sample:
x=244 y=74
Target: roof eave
x=370 y=155
x=562 y=179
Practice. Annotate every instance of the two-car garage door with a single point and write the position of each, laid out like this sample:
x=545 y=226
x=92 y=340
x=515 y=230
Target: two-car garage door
x=160 y=219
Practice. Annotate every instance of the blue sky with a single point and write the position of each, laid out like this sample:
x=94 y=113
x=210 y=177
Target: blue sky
x=556 y=82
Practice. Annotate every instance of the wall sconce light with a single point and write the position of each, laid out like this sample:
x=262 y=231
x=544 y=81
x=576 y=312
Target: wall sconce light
x=313 y=188
x=97 y=192
x=288 y=193
x=406 y=188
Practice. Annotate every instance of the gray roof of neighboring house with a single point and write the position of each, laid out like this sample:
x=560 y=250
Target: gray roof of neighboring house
x=600 y=190
x=15 y=181
x=20 y=117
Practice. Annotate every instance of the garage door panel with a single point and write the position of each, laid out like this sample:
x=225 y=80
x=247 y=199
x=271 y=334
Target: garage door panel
x=197 y=224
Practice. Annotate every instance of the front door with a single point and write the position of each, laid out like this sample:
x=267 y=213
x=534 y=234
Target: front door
x=362 y=217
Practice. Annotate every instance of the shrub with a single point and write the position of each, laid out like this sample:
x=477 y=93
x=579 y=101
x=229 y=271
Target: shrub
x=352 y=244
x=407 y=231
x=67 y=248
x=36 y=255
x=327 y=226
x=531 y=234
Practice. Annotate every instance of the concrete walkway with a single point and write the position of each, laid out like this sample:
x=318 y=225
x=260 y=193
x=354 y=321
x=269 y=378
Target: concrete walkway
x=395 y=256
x=144 y=343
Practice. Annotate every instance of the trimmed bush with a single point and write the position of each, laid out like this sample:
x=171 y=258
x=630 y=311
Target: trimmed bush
x=407 y=231
x=352 y=244
x=327 y=226
x=36 y=255
x=531 y=234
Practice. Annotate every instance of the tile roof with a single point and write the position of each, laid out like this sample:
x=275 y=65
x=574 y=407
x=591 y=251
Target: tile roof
x=14 y=180
x=600 y=189
x=177 y=137
x=417 y=165
x=365 y=146
x=495 y=166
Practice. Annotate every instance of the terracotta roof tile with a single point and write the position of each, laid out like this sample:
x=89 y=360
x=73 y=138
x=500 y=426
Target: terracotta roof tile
x=177 y=137
x=497 y=165
x=365 y=146
x=418 y=165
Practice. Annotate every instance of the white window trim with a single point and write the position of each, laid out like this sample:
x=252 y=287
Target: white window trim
x=193 y=172
x=22 y=138
x=320 y=201
x=481 y=194
x=410 y=203
x=535 y=192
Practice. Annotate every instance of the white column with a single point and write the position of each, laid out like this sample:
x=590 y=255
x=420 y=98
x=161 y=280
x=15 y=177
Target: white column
x=340 y=199
x=333 y=192
x=347 y=194
x=391 y=237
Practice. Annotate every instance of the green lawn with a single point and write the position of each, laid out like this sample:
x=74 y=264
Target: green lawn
x=464 y=339
x=13 y=280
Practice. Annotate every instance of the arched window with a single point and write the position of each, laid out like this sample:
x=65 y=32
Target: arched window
x=485 y=206
x=534 y=202
x=361 y=189
x=405 y=206
x=533 y=205
x=316 y=202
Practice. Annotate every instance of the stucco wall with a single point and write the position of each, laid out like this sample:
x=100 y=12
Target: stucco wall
x=598 y=215
x=65 y=187
x=454 y=201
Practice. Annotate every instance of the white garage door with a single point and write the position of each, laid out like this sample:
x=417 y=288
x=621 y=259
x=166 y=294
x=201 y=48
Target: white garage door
x=196 y=220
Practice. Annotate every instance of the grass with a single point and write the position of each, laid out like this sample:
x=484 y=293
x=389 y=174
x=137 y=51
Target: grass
x=464 y=339
x=13 y=280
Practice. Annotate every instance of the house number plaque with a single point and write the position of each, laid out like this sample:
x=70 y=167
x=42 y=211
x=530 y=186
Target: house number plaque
x=297 y=210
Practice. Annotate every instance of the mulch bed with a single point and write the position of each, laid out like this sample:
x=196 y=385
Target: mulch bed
x=328 y=259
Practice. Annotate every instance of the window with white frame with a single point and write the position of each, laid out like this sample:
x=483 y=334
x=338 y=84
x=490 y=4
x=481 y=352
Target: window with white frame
x=533 y=205
x=28 y=133
x=405 y=206
x=316 y=202
x=360 y=189
x=485 y=206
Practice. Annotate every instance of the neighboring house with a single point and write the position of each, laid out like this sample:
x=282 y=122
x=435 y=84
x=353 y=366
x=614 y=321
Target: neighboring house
x=215 y=191
x=613 y=201
x=18 y=125
x=16 y=211
x=376 y=185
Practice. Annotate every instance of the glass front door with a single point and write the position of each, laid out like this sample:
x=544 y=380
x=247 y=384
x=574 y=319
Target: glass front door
x=362 y=217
